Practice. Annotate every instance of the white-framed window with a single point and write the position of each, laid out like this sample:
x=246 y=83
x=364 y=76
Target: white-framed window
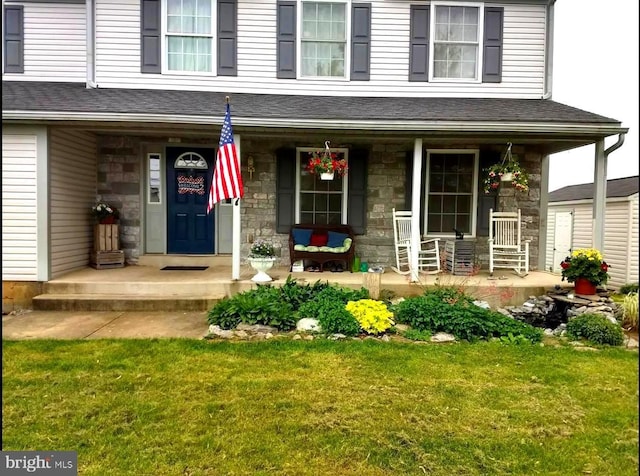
x=188 y=43
x=155 y=179
x=451 y=192
x=320 y=201
x=323 y=42
x=456 y=41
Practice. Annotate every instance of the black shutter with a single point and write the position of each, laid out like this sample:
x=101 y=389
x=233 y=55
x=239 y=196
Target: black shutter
x=14 y=39
x=419 y=43
x=150 y=61
x=485 y=200
x=285 y=189
x=286 y=40
x=227 y=37
x=360 y=41
x=492 y=52
x=357 y=196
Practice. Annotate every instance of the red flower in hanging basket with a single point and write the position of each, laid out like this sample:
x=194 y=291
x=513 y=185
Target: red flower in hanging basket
x=324 y=161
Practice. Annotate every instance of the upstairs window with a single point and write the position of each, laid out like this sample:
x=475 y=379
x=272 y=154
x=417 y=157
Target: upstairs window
x=189 y=35
x=456 y=42
x=324 y=39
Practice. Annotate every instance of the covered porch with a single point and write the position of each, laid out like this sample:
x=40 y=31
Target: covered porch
x=146 y=287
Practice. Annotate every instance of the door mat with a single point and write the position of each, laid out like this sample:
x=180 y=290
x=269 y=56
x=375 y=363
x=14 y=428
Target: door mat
x=184 y=268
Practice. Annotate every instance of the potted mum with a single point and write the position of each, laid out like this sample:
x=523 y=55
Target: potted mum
x=586 y=268
x=508 y=170
x=326 y=163
x=105 y=213
x=261 y=258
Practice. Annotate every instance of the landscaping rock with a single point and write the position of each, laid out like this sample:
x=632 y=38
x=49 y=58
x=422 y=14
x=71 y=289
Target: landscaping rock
x=443 y=337
x=217 y=331
x=308 y=324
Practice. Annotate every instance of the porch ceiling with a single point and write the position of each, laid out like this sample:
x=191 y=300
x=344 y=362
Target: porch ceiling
x=549 y=126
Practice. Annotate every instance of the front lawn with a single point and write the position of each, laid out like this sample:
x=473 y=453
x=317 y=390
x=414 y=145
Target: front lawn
x=180 y=407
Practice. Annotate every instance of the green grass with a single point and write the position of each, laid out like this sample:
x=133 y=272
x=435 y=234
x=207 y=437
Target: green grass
x=182 y=407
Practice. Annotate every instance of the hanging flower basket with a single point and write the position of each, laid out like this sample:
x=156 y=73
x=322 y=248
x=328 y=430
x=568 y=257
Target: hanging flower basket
x=327 y=164
x=505 y=171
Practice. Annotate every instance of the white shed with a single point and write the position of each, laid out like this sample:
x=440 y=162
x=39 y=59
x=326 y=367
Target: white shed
x=570 y=226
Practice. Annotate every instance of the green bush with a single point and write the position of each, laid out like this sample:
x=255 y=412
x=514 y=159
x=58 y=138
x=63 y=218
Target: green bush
x=296 y=294
x=457 y=315
x=595 y=328
x=262 y=305
x=328 y=306
x=629 y=288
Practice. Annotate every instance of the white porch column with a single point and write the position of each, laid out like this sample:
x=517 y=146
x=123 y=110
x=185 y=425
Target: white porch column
x=599 y=196
x=544 y=201
x=416 y=209
x=235 y=246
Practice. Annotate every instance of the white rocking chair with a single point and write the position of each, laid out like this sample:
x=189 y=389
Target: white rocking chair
x=428 y=255
x=506 y=247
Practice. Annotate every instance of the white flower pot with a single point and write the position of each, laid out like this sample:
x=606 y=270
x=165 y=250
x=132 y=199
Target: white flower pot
x=507 y=177
x=326 y=176
x=261 y=265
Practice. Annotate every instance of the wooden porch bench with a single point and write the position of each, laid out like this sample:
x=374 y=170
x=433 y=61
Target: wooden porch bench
x=340 y=244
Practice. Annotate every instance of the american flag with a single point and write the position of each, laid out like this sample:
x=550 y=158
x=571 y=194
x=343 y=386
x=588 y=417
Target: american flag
x=227 y=181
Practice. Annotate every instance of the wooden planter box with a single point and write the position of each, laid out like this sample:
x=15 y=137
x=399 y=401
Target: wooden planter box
x=106 y=247
x=106 y=238
x=107 y=259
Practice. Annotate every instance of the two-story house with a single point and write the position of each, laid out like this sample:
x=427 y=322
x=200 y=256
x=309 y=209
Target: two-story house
x=119 y=100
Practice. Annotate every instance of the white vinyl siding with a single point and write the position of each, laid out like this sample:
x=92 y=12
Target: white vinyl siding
x=118 y=56
x=73 y=192
x=620 y=236
x=19 y=207
x=55 y=43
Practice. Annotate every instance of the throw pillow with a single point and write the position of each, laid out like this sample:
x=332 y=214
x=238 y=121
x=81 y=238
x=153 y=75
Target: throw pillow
x=336 y=239
x=301 y=236
x=319 y=239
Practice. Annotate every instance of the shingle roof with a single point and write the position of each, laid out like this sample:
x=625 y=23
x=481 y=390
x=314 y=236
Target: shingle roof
x=622 y=187
x=75 y=97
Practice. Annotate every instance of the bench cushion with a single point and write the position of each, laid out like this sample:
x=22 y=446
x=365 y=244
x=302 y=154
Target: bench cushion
x=301 y=236
x=346 y=244
x=336 y=239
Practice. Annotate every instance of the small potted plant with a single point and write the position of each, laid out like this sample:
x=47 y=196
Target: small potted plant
x=326 y=163
x=104 y=213
x=586 y=268
x=261 y=258
x=508 y=170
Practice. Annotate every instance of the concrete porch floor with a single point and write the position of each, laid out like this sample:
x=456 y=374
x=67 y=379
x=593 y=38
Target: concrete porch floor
x=96 y=304
x=148 y=288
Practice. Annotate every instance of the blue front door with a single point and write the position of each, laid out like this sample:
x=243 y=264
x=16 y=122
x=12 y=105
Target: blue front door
x=189 y=228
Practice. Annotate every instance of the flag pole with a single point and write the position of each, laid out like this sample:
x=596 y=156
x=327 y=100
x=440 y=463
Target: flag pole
x=236 y=231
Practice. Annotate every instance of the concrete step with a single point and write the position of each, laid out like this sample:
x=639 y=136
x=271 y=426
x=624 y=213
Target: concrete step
x=123 y=302
x=160 y=261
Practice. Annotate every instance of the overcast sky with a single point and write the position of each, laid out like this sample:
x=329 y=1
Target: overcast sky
x=595 y=68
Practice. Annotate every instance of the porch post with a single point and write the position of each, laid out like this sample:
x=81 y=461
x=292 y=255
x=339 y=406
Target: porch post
x=235 y=246
x=415 y=208
x=599 y=196
x=544 y=201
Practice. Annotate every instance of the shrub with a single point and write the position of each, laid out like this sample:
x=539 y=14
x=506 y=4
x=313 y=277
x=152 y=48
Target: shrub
x=629 y=288
x=296 y=294
x=595 y=328
x=630 y=310
x=328 y=306
x=458 y=316
x=262 y=305
x=373 y=316
x=225 y=314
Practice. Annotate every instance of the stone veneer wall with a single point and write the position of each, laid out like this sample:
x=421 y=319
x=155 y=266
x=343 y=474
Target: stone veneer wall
x=119 y=176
